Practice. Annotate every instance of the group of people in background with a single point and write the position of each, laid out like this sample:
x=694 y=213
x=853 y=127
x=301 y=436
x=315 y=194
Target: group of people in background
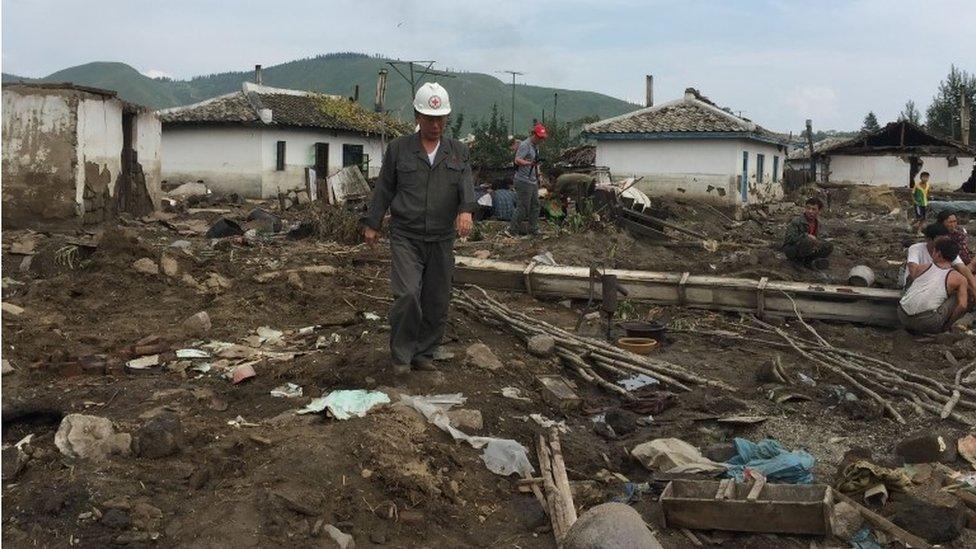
x=938 y=282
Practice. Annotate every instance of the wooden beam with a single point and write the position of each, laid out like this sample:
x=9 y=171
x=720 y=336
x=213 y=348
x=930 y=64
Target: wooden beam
x=819 y=301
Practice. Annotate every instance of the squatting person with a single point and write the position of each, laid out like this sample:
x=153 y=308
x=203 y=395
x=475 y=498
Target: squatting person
x=938 y=294
x=804 y=241
x=426 y=184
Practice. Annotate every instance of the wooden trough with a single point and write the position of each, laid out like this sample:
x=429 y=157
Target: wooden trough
x=762 y=297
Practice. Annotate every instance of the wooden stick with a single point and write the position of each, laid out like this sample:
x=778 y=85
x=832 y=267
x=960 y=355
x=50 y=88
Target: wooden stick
x=884 y=524
x=556 y=515
x=947 y=409
x=561 y=479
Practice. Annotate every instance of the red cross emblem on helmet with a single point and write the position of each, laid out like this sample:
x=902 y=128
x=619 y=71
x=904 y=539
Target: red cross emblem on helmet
x=434 y=101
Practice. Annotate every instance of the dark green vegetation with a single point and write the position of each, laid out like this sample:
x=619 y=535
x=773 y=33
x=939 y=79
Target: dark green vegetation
x=472 y=94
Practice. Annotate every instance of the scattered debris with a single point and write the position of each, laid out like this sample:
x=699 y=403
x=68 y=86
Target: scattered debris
x=514 y=393
x=610 y=526
x=637 y=381
x=541 y=345
x=557 y=392
x=161 y=436
x=288 y=390
x=198 y=323
x=146 y=266
x=242 y=372
x=346 y=403
x=224 y=228
x=7 y=368
x=672 y=455
x=480 y=355
x=143 y=362
x=90 y=437
x=11 y=309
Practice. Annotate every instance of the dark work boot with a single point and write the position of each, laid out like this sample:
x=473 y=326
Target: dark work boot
x=424 y=363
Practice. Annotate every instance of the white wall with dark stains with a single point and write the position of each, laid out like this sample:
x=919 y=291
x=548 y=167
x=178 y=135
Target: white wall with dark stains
x=99 y=150
x=147 y=142
x=893 y=170
x=694 y=168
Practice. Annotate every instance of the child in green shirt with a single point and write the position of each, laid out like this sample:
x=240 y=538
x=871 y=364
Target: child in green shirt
x=920 y=198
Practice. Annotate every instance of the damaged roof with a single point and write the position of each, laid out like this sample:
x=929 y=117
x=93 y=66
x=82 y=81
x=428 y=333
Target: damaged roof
x=52 y=87
x=692 y=116
x=901 y=137
x=257 y=105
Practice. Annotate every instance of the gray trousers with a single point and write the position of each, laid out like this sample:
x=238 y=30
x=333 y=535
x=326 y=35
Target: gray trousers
x=806 y=250
x=930 y=322
x=421 y=286
x=526 y=209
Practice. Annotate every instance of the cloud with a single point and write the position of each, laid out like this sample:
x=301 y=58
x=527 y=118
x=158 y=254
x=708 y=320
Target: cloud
x=817 y=102
x=156 y=73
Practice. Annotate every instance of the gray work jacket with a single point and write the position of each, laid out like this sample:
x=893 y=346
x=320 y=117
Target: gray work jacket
x=424 y=200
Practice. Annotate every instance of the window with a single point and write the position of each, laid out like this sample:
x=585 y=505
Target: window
x=352 y=155
x=280 y=156
x=760 y=162
x=775 y=168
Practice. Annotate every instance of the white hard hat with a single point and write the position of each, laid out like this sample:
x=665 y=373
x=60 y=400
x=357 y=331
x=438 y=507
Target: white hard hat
x=432 y=100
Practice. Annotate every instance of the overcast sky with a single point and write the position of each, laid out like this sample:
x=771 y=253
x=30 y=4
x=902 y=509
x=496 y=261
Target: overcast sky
x=778 y=61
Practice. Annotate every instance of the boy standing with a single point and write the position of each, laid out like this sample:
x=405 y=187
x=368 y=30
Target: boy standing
x=920 y=197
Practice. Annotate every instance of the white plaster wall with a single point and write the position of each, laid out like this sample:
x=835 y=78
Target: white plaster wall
x=148 y=147
x=226 y=159
x=33 y=125
x=893 y=171
x=768 y=190
x=700 y=168
x=99 y=142
x=300 y=154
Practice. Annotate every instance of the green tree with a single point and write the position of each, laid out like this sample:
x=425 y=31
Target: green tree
x=942 y=116
x=910 y=113
x=563 y=136
x=870 y=123
x=457 y=122
x=491 y=148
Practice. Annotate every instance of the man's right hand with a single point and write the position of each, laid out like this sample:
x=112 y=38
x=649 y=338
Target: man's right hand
x=370 y=235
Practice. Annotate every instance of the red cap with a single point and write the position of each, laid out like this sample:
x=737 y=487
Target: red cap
x=540 y=131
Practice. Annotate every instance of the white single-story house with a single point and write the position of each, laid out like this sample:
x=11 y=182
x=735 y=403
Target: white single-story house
x=76 y=153
x=690 y=147
x=891 y=156
x=260 y=140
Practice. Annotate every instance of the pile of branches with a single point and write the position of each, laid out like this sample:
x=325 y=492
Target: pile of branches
x=330 y=222
x=584 y=355
x=872 y=377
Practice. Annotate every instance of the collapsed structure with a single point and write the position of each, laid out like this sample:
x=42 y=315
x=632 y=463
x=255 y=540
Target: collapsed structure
x=260 y=140
x=692 y=147
x=76 y=153
x=892 y=156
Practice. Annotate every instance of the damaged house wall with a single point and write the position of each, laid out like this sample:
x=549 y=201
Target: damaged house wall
x=39 y=157
x=189 y=155
x=893 y=171
x=697 y=168
x=63 y=155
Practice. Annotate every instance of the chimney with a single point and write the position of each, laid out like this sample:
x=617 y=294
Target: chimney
x=963 y=118
x=649 y=101
x=691 y=93
x=355 y=93
x=257 y=74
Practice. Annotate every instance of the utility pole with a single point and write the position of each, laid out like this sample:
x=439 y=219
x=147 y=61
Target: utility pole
x=555 y=105
x=379 y=105
x=964 y=117
x=514 y=74
x=411 y=77
x=813 y=165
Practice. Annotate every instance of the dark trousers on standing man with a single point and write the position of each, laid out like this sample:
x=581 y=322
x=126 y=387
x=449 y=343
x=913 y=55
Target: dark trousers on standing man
x=526 y=209
x=421 y=286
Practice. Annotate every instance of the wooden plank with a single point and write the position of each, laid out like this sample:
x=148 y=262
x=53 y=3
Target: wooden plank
x=816 y=301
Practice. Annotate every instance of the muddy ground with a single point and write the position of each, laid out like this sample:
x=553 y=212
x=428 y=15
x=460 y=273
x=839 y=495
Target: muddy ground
x=389 y=478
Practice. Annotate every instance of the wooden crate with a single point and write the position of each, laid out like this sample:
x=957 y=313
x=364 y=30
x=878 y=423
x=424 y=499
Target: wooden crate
x=777 y=508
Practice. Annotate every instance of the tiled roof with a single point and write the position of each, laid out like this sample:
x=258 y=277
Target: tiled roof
x=692 y=113
x=287 y=108
x=895 y=137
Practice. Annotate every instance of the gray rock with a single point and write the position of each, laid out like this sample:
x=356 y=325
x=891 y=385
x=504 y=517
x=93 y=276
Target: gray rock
x=541 y=345
x=170 y=266
x=90 y=437
x=845 y=521
x=161 y=436
x=610 y=526
x=466 y=420
x=198 y=323
x=345 y=541
x=480 y=355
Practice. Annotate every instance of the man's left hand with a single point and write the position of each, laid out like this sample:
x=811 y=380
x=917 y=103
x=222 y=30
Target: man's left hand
x=463 y=224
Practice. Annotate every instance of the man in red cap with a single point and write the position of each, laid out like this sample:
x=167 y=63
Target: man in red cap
x=527 y=183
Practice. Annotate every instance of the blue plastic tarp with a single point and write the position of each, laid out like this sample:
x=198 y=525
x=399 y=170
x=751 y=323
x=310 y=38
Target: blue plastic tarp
x=770 y=458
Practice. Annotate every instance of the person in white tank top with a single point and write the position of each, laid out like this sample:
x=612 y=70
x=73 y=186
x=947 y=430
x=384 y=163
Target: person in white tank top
x=938 y=295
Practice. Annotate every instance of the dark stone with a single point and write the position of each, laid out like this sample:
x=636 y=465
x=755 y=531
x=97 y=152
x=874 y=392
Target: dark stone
x=161 y=436
x=117 y=519
x=935 y=523
x=223 y=228
x=861 y=409
x=378 y=536
x=622 y=422
x=928 y=448
x=199 y=478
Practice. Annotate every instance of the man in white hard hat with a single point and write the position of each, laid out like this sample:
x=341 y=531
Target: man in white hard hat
x=426 y=184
